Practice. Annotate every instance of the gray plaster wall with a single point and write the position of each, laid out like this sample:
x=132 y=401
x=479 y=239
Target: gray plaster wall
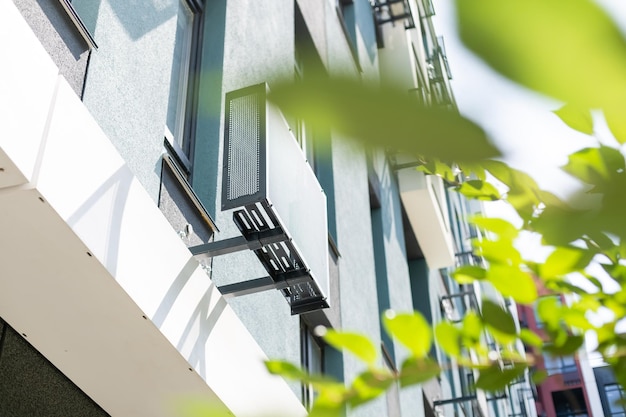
x=128 y=81
x=60 y=37
x=394 y=278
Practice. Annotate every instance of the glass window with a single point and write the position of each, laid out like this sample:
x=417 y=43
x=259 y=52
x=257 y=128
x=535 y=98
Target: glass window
x=615 y=397
x=559 y=364
x=312 y=358
x=179 y=79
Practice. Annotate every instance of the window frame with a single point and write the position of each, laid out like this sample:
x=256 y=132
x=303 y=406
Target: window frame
x=181 y=144
x=80 y=25
x=614 y=387
x=309 y=340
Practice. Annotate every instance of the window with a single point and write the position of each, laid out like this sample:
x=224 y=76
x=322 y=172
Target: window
x=559 y=364
x=181 y=100
x=345 y=12
x=312 y=358
x=306 y=63
x=615 y=399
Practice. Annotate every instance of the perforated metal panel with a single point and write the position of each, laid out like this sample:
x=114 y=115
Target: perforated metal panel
x=244 y=141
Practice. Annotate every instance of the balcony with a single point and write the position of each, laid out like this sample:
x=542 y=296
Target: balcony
x=423 y=197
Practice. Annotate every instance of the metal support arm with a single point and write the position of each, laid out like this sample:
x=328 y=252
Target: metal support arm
x=255 y=241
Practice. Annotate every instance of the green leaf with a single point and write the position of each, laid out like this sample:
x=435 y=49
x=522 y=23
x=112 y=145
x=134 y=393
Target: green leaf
x=472 y=328
x=576 y=118
x=561 y=226
x=576 y=319
x=330 y=402
x=530 y=338
x=410 y=329
x=418 y=370
x=549 y=311
x=564 y=260
x=501 y=227
x=480 y=190
x=498 y=252
x=513 y=282
x=595 y=165
x=569 y=346
x=369 y=385
x=200 y=407
x=291 y=371
x=616 y=121
x=524 y=193
x=495 y=379
x=467 y=274
x=449 y=338
x=357 y=344
x=539 y=376
x=382 y=117
x=326 y=410
x=285 y=369
x=547 y=58
x=498 y=318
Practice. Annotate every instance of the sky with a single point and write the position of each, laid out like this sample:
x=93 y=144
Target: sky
x=519 y=121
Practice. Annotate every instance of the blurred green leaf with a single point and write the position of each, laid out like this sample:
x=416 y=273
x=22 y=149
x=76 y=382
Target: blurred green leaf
x=502 y=228
x=472 y=328
x=548 y=57
x=616 y=121
x=191 y=406
x=576 y=118
x=498 y=318
x=595 y=165
x=357 y=344
x=383 y=118
x=576 y=319
x=480 y=190
x=549 y=311
x=449 y=338
x=495 y=379
x=564 y=260
x=568 y=347
x=290 y=371
x=560 y=226
x=467 y=274
x=369 y=385
x=530 y=338
x=285 y=369
x=326 y=410
x=513 y=282
x=410 y=329
x=539 y=376
x=418 y=370
x=498 y=252
x=330 y=402
x=524 y=193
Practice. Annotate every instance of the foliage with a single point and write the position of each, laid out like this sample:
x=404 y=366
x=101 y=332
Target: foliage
x=570 y=50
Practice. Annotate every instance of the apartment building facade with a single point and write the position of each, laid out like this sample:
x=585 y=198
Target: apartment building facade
x=133 y=276
x=565 y=390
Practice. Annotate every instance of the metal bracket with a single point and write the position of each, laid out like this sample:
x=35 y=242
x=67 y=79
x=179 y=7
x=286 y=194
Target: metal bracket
x=262 y=233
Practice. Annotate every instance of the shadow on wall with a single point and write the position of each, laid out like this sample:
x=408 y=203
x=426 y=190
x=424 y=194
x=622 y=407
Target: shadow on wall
x=119 y=185
x=153 y=14
x=138 y=17
x=88 y=11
